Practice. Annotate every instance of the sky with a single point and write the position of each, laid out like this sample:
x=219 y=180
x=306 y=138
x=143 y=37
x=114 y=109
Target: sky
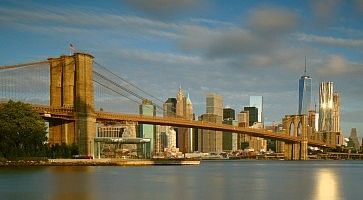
x=234 y=48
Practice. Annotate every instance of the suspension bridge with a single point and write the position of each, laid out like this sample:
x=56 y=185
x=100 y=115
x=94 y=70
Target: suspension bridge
x=74 y=92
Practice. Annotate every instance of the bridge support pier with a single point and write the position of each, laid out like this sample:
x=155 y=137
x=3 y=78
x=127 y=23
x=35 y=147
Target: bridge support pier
x=61 y=131
x=71 y=86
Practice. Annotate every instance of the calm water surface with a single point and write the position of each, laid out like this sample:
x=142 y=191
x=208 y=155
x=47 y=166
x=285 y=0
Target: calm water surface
x=318 y=180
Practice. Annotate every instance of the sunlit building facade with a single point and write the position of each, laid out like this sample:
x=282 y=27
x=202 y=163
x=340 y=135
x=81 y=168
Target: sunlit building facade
x=184 y=109
x=326 y=106
x=214 y=104
x=336 y=112
x=210 y=140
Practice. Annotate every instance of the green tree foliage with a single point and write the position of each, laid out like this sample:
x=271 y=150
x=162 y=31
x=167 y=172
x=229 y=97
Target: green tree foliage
x=22 y=131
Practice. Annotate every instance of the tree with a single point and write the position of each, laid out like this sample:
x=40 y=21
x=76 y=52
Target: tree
x=22 y=131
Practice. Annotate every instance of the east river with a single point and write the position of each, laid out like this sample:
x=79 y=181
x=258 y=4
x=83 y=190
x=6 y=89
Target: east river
x=241 y=179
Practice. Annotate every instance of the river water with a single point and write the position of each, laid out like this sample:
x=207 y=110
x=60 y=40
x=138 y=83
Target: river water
x=241 y=179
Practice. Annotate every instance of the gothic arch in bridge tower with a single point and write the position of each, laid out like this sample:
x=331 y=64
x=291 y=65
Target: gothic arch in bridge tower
x=299 y=129
x=292 y=129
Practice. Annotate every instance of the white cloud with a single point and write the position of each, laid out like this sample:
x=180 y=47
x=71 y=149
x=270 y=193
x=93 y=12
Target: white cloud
x=338 y=65
x=272 y=20
x=328 y=40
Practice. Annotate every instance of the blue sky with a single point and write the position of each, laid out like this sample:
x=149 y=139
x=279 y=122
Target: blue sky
x=234 y=48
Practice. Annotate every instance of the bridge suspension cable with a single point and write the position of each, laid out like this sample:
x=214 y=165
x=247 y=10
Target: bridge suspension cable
x=129 y=83
x=119 y=85
x=31 y=64
x=115 y=83
x=27 y=82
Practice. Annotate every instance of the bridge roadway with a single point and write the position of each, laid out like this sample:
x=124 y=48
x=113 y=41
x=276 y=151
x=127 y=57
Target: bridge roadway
x=48 y=112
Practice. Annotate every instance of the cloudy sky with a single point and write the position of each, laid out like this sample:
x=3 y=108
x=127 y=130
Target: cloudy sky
x=234 y=48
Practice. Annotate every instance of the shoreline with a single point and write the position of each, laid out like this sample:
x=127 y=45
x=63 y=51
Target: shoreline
x=98 y=162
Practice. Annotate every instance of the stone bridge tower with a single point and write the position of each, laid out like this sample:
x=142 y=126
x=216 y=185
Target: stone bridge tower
x=296 y=126
x=71 y=86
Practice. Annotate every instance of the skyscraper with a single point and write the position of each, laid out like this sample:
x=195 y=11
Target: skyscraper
x=184 y=109
x=243 y=119
x=252 y=115
x=169 y=107
x=304 y=93
x=209 y=140
x=336 y=112
x=257 y=101
x=214 y=104
x=229 y=139
x=146 y=130
x=326 y=106
x=229 y=113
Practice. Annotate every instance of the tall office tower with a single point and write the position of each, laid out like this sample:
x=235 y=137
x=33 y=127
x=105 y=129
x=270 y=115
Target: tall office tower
x=180 y=103
x=252 y=115
x=214 y=104
x=304 y=93
x=353 y=139
x=184 y=109
x=166 y=135
x=336 y=112
x=208 y=140
x=257 y=101
x=146 y=130
x=229 y=113
x=243 y=121
x=230 y=140
x=188 y=108
x=326 y=106
x=169 y=107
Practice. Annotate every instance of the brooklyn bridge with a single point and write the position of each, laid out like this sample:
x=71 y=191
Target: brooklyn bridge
x=65 y=91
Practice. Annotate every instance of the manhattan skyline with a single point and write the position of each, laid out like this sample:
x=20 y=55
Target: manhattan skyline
x=236 y=49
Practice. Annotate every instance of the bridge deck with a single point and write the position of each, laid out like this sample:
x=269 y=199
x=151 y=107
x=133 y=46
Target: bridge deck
x=69 y=114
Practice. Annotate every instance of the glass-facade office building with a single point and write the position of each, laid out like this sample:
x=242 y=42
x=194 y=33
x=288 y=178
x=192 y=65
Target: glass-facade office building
x=147 y=108
x=304 y=95
x=257 y=101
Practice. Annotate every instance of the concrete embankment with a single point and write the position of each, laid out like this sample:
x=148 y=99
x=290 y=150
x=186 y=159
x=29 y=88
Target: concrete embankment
x=98 y=162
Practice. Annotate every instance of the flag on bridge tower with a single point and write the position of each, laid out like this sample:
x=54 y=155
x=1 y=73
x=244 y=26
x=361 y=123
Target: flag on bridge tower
x=72 y=49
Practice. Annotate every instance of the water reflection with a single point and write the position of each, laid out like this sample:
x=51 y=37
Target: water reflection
x=327 y=185
x=211 y=180
x=71 y=183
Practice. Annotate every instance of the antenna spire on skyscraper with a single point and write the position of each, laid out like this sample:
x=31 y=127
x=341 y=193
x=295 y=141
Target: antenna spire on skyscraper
x=305 y=67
